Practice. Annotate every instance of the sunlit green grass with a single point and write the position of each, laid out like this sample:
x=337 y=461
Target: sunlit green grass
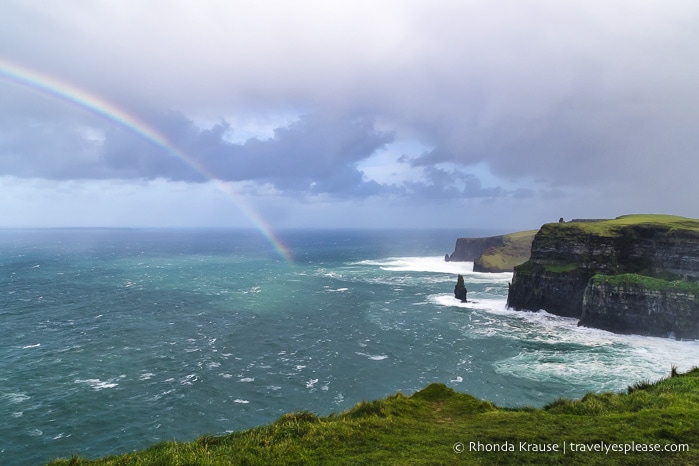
x=649 y=283
x=427 y=427
x=615 y=226
x=515 y=250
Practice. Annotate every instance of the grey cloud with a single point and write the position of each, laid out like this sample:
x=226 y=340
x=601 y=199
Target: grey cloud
x=315 y=155
x=451 y=184
x=588 y=94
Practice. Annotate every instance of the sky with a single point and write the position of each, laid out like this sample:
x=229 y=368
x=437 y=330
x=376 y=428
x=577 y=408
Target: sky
x=473 y=114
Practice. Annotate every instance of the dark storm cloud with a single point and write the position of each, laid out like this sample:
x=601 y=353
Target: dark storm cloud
x=317 y=154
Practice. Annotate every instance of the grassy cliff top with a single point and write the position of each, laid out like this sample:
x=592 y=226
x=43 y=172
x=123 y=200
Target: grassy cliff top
x=515 y=250
x=440 y=426
x=613 y=227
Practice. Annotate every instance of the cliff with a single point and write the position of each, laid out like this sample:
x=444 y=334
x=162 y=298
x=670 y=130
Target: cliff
x=633 y=274
x=470 y=249
x=495 y=253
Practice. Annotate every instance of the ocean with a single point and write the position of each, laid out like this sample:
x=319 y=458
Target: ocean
x=113 y=340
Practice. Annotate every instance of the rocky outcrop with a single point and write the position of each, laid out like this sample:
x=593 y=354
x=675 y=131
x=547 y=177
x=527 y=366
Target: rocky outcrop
x=571 y=263
x=460 y=289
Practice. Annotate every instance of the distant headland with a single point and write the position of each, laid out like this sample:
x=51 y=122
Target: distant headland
x=494 y=253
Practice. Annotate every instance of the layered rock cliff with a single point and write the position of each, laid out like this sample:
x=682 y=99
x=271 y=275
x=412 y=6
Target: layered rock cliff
x=633 y=274
x=470 y=249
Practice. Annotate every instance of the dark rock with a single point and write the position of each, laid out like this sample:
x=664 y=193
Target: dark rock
x=625 y=306
x=446 y=258
x=470 y=249
x=460 y=289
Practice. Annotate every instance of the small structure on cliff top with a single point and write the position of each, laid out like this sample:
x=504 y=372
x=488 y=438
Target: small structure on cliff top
x=460 y=289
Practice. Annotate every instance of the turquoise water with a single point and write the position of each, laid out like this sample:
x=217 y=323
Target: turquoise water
x=113 y=340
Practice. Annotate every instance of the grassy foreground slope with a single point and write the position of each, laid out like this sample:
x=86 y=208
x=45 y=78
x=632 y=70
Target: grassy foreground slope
x=440 y=426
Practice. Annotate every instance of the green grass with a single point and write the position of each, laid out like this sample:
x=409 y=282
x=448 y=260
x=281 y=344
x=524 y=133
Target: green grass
x=615 y=226
x=424 y=428
x=515 y=250
x=650 y=283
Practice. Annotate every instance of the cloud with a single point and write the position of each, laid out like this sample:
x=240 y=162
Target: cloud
x=572 y=98
x=316 y=154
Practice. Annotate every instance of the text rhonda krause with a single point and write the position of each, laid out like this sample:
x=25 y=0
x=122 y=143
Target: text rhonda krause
x=565 y=447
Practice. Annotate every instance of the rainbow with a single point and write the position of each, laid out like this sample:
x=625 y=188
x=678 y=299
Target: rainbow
x=64 y=91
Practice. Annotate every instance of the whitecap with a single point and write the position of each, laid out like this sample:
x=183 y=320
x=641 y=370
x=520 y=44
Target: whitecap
x=35 y=433
x=241 y=401
x=146 y=376
x=378 y=357
x=31 y=346
x=247 y=379
x=311 y=383
x=97 y=384
x=16 y=397
x=458 y=379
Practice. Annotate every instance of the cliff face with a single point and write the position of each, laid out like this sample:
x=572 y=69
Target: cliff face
x=470 y=249
x=629 y=304
x=567 y=259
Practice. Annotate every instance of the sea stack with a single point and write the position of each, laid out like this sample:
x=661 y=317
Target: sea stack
x=460 y=289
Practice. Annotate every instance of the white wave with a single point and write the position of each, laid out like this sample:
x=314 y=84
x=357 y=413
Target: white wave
x=458 y=379
x=337 y=290
x=31 y=346
x=474 y=303
x=35 y=432
x=435 y=265
x=189 y=379
x=146 y=376
x=17 y=414
x=418 y=264
x=379 y=357
x=241 y=401
x=247 y=379
x=16 y=397
x=311 y=383
x=555 y=349
x=97 y=384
